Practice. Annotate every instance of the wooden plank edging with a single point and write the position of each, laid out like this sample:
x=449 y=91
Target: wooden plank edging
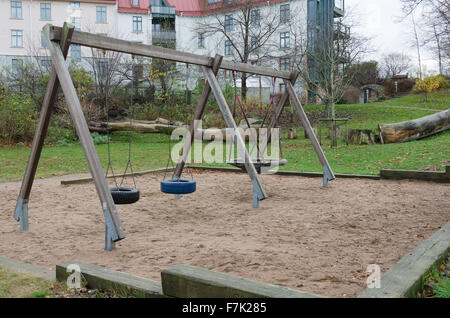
x=404 y=279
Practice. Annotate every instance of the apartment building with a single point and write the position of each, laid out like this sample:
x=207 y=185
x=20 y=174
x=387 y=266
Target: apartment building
x=23 y=21
x=169 y=23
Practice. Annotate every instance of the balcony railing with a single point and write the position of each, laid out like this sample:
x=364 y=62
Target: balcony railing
x=163 y=10
x=164 y=35
x=339 y=7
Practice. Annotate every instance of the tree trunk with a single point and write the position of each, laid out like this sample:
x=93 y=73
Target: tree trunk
x=244 y=87
x=415 y=129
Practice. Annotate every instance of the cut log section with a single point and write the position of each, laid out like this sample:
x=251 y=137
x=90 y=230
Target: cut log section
x=103 y=127
x=415 y=129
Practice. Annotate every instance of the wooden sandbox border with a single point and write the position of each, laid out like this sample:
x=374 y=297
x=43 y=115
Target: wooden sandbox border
x=403 y=280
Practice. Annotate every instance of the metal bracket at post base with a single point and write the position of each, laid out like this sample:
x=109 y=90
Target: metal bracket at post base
x=327 y=176
x=257 y=196
x=110 y=233
x=21 y=213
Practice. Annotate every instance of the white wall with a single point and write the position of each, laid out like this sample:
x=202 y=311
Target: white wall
x=31 y=24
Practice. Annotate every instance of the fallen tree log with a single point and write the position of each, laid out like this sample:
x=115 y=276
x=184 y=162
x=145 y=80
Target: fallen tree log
x=415 y=129
x=103 y=127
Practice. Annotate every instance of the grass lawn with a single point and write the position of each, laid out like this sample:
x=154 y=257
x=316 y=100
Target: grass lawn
x=14 y=285
x=150 y=151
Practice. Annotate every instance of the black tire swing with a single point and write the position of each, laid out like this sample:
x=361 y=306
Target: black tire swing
x=121 y=194
x=177 y=185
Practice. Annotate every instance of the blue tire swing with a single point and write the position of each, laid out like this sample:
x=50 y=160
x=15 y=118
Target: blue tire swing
x=123 y=195
x=177 y=185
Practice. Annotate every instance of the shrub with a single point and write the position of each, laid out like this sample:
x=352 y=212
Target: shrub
x=430 y=84
x=18 y=116
x=99 y=139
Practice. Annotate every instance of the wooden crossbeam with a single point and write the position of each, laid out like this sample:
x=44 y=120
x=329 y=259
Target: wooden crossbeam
x=118 y=45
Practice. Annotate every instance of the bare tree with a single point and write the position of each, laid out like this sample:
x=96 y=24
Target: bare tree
x=395 y=64
x=435 y=26
x=417 y=44
x=324 y=58
x=247 y=30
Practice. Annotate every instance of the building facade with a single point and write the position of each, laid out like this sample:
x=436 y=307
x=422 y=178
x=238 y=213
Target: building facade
x=180 y=24
x=23 y=21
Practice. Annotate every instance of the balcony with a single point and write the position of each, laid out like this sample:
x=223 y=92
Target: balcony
x=164 y=36
x=339 y=6
x=162 y=11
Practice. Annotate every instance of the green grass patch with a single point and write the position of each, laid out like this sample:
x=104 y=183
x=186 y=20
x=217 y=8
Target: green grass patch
x=14 y=285
x=150 y=151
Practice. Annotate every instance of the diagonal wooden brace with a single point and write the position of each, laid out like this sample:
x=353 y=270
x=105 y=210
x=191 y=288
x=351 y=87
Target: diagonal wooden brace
x=115 y=230
x=328 y=174
x=21 y=211
x=258 y=189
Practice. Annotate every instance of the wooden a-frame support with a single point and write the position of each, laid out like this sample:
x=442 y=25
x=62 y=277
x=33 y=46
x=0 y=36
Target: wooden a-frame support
x=212 y=84
x=60 y=77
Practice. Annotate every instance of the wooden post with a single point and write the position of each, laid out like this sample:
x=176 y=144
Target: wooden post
x=197 y=116
x=258 y=189
x=328 y=174
x=21 y=211
x=114 y=229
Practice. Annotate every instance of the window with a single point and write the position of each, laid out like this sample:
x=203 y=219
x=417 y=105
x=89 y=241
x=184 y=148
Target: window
x=46 y=11
x=46 y=62
x=201 y=40
x=101 y=14
x=138 y=71
x=76 y=22
x=254 y=43
x=255 y=17
x=103 y=68
x=285 y=13
x=227 y=48
x=16 y=38
x=213 y=1
x=284 y=40
x=16 y=65
x=74 y=5
x=137 y=24
x=135 y=3
x=282 y=88
x=228 y=22
x=254 y=63
x=43 y=41
x=75 y=52
x=16 y=9
x=285 y=64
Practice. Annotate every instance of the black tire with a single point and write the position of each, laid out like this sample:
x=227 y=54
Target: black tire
x=178 y=186
x=124 y=195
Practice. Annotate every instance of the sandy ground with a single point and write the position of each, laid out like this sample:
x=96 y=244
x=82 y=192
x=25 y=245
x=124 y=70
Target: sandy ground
x=304 y=236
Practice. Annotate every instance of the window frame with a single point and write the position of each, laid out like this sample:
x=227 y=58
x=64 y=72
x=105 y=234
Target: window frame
x=15 y=9
x=102 y=12
x=228 y=48
x=137 y=24
x=15 y=36
x=285 y=40
x=46 y=8
x=285 y=13
x=228 y=24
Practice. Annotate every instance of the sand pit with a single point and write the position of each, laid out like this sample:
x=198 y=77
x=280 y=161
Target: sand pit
x=304 y=236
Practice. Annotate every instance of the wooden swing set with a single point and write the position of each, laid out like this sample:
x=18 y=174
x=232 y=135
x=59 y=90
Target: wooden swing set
x=59 y=40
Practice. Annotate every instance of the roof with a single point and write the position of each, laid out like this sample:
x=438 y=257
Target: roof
x=203 y=8
x=125 y=6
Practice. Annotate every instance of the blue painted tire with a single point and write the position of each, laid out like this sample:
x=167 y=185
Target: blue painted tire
x=178 y=186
